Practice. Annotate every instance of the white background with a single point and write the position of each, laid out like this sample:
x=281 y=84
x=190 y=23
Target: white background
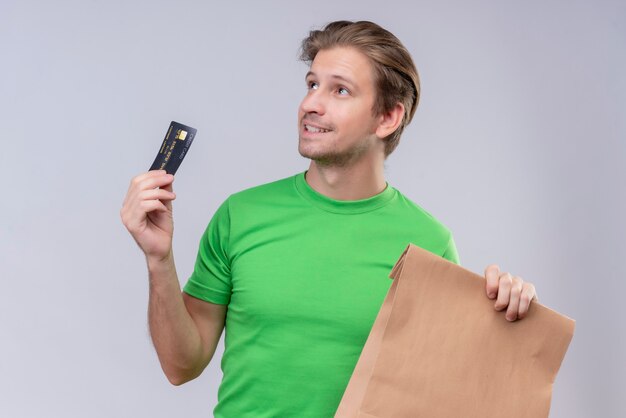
x=518 y=146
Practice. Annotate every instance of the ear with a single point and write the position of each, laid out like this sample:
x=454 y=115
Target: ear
x=388 y=122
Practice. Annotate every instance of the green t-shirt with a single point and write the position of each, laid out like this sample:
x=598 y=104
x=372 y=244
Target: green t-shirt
x=304 y=276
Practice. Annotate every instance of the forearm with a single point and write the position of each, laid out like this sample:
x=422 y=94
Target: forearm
x=173 y=331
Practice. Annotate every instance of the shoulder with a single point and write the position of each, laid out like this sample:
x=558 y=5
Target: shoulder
x=425 y=229
x=263 y=198
x=420 y=216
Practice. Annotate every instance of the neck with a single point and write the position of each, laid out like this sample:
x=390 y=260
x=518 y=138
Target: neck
x=352 y=182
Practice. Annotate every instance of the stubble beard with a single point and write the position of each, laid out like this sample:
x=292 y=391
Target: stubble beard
x=334 y=157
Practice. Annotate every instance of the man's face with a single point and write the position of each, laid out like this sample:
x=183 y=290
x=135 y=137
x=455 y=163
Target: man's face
x=335 y=120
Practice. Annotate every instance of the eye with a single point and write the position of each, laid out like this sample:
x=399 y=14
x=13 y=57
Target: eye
x=312 y=85
x=343 y=91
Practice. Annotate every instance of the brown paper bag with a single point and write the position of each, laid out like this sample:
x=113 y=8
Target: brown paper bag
x=438 y=348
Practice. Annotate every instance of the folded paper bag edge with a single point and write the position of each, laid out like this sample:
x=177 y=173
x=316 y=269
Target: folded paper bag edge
x=558 y=320
x=396 y=272
x=555 y=320
x=397 y=268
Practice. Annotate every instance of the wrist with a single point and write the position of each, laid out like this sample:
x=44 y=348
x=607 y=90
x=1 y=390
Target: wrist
x=159 y=263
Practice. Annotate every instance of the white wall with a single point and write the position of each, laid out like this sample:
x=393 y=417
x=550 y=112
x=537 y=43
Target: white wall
x=518 y=145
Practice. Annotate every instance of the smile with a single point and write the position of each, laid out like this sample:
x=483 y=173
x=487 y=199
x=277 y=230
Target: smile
x=310 y=128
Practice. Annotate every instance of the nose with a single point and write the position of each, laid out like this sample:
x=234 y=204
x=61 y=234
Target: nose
x=313 y=102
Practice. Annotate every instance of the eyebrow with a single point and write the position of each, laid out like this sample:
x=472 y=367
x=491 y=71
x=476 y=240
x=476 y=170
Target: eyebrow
x=334 y=76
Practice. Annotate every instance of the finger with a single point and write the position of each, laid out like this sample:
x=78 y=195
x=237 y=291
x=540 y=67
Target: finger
x=143 y=176
x=492 y=274
x=154 y=194
x=134 y=223
x=134 y=212
x=163 y=194
x=168 y=187
x=527 y=296
x=168 y=203
x=153 y=205
x=504 y=291
x=150 y=173
x=144 y=181
x=514 y=299
x=155 y=181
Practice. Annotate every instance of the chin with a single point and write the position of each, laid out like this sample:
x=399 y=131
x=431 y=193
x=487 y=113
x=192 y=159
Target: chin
x=308 y=151
x=322 y=155
x=326 y=159
x=305 y=150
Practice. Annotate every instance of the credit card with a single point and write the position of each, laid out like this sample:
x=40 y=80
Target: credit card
x=175 y=146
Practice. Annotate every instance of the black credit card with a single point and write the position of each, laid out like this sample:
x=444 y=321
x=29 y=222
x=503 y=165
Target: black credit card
x=177 y=141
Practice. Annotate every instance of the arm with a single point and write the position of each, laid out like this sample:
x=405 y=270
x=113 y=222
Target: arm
x=185 y=332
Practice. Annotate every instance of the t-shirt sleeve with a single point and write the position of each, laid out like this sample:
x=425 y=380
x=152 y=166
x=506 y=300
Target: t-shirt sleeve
x=211 y=277
x=451 y=253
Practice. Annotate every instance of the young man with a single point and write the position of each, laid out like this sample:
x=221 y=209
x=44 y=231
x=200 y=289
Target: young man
x=297 y=269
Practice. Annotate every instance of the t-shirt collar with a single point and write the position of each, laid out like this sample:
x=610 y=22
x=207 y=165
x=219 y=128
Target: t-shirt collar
x=342 y=206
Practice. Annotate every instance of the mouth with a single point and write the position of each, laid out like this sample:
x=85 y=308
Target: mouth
x=315 y=129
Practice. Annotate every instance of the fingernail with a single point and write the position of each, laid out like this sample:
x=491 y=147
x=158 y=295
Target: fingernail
x=491 y=295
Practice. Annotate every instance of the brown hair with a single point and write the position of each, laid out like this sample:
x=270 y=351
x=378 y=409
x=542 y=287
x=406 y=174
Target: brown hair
x=396 y=79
